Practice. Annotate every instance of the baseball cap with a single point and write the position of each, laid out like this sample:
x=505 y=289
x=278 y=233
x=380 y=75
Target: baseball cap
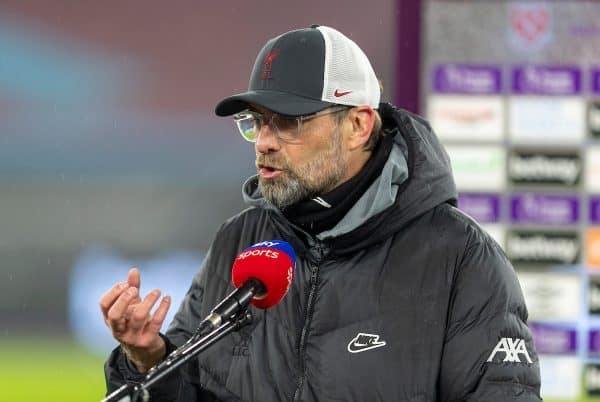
x=307 y=70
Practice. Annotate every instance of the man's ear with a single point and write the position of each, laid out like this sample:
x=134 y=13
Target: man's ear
x=362 y=119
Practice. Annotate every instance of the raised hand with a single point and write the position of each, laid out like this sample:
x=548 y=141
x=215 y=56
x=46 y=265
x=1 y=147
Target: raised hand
x=128 y=318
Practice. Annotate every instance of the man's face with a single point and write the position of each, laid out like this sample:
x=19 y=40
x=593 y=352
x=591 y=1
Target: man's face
x=291 y=172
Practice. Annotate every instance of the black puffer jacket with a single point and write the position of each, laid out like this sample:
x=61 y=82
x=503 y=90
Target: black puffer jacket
x=406 y=302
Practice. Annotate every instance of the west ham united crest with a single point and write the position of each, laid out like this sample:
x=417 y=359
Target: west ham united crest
x=529 y=25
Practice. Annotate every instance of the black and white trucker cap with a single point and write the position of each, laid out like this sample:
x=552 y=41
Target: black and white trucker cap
x=305 y=71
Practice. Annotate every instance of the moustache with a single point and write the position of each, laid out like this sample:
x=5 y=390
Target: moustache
x=271 y=162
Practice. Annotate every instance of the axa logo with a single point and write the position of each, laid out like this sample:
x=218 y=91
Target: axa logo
x=513 y=348
x=362 y=342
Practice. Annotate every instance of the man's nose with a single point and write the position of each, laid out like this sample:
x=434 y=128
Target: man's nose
x=266 y=140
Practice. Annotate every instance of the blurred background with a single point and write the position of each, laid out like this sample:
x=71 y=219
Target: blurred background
x=111 y=156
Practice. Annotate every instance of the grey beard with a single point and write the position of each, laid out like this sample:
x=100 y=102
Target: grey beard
x=283 y=195
x=311 y=180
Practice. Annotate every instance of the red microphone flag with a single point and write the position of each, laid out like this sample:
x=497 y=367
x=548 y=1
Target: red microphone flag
x=272 y=262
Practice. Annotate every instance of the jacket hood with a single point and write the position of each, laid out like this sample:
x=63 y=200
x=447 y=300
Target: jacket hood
x=415 y=179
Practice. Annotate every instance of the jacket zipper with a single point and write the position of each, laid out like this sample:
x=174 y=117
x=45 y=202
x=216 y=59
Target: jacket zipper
x=309 y=310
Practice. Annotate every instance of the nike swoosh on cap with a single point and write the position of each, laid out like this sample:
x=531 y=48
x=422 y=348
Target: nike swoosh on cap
x=337 y=93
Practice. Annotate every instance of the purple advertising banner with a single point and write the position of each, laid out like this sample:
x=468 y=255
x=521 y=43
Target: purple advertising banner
x=596 y=80
x=594 y=209
x=546 y=80
x=553 y=339
x=484 y=208
x=545 y=209
x=594 y=342
x=467 y=79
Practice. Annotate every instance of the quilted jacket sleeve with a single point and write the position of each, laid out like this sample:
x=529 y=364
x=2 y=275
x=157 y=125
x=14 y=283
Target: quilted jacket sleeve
x=489 y=353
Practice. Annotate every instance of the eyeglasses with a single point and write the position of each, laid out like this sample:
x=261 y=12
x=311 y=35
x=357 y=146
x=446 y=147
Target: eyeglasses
x=286 y=128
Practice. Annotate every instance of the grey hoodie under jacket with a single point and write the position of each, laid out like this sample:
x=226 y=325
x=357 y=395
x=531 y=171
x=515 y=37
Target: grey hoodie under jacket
x=406 y=299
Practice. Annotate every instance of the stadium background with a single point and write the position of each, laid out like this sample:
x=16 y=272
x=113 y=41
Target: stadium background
x=111 y=157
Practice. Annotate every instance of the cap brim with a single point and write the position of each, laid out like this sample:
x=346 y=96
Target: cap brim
x=277 y=102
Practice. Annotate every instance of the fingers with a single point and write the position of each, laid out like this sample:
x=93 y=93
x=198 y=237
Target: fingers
x=141 y=327
x=141 y=313
x=159 y=315
x=133 y=277
x=116 y=315
x=128 y=316
x=109 y=298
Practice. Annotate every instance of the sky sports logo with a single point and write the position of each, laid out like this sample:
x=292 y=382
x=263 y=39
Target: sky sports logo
x=266 y=243
x=542 y=168
x=542 y=247
x=259 y=252
x=268 y=248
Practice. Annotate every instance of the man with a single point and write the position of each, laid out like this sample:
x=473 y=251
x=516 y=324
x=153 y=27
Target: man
x=397 y=295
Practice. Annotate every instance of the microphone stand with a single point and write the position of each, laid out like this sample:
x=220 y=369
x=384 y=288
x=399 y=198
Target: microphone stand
x=198 y=343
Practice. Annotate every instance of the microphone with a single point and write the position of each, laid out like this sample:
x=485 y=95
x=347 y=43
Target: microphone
x=262 y=274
